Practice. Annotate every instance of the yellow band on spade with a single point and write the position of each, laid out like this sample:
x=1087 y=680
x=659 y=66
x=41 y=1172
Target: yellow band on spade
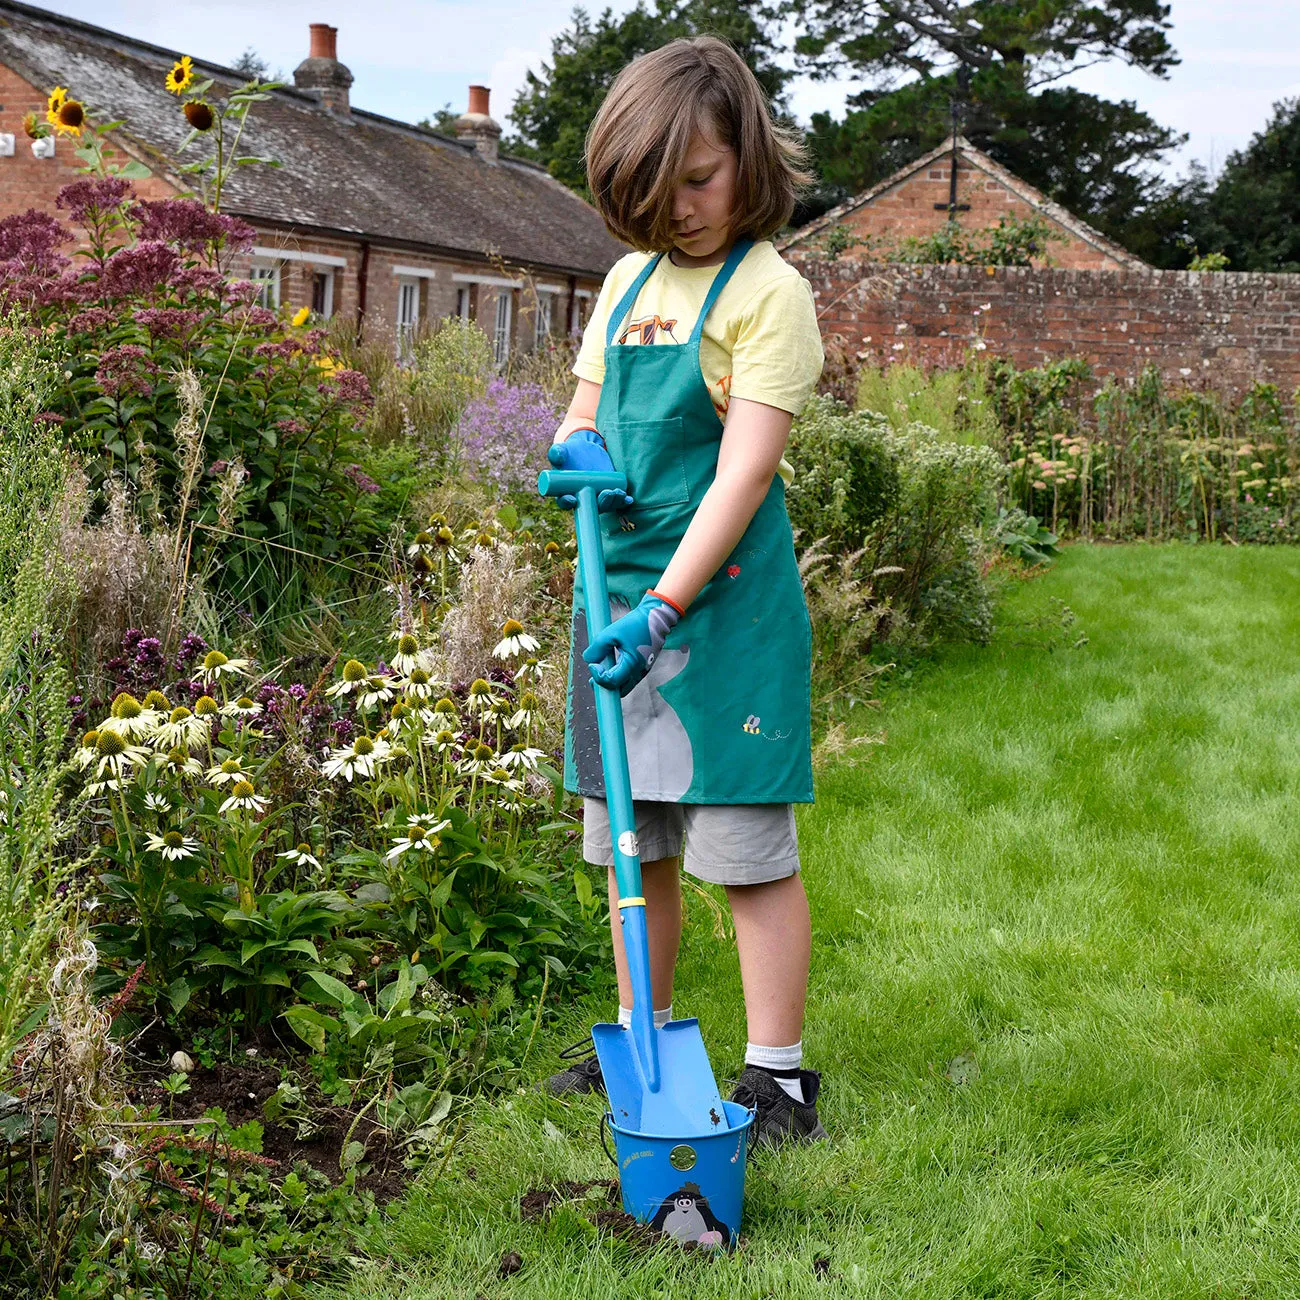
x=631 y=902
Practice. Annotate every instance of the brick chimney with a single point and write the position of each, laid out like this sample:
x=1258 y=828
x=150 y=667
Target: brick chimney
x=477 y=127
x=321 y=73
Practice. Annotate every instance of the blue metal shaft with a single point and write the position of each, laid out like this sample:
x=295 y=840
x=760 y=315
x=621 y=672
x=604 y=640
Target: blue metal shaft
x=613 y=754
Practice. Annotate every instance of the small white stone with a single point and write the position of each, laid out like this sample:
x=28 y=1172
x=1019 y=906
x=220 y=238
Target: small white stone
x=182 y=1063
x=250 y=1051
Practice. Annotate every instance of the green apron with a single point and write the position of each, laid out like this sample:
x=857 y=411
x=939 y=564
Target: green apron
x=724 y=715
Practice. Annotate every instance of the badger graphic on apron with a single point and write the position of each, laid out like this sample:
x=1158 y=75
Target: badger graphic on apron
x=724 y=715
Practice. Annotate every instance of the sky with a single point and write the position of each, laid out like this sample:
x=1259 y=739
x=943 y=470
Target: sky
x=412 y=57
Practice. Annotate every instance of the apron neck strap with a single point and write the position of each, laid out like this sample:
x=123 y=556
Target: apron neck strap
x=734 y=258
x=628 y=301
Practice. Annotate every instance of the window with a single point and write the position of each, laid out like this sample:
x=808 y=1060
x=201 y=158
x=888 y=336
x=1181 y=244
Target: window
x=542 y=331
x=408 y=316
x=322 y=293
x=501 y=334
x=462 y=302
x=267 y=278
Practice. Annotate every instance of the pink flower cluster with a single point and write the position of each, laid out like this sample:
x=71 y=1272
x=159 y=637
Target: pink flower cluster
x=125 y=369
x=190 y=226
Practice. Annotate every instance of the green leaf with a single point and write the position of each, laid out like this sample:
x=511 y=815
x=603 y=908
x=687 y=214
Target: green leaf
x=311 y=1025
x=179 y=992
x=334 y=990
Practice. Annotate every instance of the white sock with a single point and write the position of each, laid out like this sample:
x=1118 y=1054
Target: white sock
x=782 y=1063
x=662 y=1016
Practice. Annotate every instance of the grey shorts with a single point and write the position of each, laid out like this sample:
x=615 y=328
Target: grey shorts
x=726 y=844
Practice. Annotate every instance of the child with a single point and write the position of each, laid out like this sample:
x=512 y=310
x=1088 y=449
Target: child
x=699 y=352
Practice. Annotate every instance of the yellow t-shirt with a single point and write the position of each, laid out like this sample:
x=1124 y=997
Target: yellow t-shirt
x=760 y=343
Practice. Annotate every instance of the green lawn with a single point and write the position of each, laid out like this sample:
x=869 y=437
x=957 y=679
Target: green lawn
x=1077 y=867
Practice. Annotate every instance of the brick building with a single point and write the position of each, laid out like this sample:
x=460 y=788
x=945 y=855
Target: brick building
x=915 y=201
x=391 y=223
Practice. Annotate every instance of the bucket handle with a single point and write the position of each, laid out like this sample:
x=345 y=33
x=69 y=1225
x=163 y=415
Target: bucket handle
x=604 y=1124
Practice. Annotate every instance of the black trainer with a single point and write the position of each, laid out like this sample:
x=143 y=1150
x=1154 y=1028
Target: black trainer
x=582 y=1076
x=780 y=1118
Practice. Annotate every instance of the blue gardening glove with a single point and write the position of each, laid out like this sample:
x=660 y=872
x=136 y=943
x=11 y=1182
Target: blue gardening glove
x=585 y=449
x=631 y=644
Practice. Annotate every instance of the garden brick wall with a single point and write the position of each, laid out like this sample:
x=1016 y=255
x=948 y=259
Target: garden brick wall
x=1228 y=328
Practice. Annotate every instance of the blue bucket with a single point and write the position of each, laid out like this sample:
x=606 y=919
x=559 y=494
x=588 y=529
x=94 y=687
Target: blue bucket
x=689 y=1188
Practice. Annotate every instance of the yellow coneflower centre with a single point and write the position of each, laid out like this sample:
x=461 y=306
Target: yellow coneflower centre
x=551 y=548
x=407 y=644
x=177 y=757
x=181 y=76
x=528 y=701
x=444 y=737
x=90 y=738
x=511 y=627
x=355 y=671
x=479 y=687
x=419 y=677
x=242 y=790
x=110 y=744
x=484 y=539
x=206 y=707
x=126 y=706
x=422 y=563
x=423 y=539
x=444 y=536
x=157 y=700
x=174 y=840
x=444 y=705
x=199 y=115
x=415 y=833
x=483 y=752
x=437 y=521
x=304 y=848
x=231 y=766
x=213 y=660
x=179 y=714
x=400 y=710
x=499 y=774
x=363 y=745
x=244 y=703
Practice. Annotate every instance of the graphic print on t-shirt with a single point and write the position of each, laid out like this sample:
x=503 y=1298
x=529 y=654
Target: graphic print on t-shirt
x=647 y=330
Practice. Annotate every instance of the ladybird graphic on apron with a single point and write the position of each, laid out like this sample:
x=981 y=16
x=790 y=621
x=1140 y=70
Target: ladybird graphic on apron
x=724 y=715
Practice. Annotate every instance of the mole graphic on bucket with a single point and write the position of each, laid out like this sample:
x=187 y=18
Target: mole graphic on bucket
x=685 y=1216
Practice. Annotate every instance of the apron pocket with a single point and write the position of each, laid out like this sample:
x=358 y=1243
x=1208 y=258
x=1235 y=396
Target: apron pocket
x=652 y=453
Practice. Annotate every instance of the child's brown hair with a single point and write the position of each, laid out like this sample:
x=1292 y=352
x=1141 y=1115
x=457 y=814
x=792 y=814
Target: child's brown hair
x=637 y=145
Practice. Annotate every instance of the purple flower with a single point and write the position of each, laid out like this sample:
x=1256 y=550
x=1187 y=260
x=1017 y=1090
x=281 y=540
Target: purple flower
x=167 y=322
x=285 y=350
x=139 y=270
x=88 y=201
x=125 y=369
x=348 y=386
x=29 y=239
x=50 y=417
x=504 y=434
x=90 y=320
x=191 y=649
x=361 y=479
x=190 y=226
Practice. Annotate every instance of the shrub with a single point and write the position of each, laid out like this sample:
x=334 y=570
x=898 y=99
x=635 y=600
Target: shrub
x=504 y=435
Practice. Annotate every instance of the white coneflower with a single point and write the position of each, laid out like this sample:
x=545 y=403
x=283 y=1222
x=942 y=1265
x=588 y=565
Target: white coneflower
x=481 y=695
x=446 y=710
x=182 y=730
x=514 y=641
x=116 y=754
x=522 y=756
x=300 y=855
x=532 y=670
x=498 y=776
x=408 y=652
x=216 y=664
x=227 y=772
x=443 y=741
x=130 y=718
x=414 y=711
x=422 y=545
x=99 y=787
x=419 y=838
x=173 y=845
x=179 y=763
x=244 y=707
x=418 y=684
x=157 y=803
x=525 y=715
x=206 y=707
x=242 y=796
x=355 y=674
x=378 y=689
x=86 y=753
x=478 y=757
x=358 y=759
x=158 y=702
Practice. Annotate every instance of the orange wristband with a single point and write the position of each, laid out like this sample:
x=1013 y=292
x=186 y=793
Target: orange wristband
x=659 y=595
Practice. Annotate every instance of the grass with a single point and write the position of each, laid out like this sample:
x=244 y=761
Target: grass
x=1068 y=878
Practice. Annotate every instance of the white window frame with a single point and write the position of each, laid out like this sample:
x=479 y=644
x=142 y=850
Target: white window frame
x=327 y=299
x=501 y=326
x=267 y=276
x=464 y=300
x=408 y=315
x=575 y=322
x=542 y=322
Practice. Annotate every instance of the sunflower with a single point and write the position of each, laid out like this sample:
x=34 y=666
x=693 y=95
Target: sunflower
x=301 y=316
x=181 y=77
x=58 y=97
x=199 y=115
